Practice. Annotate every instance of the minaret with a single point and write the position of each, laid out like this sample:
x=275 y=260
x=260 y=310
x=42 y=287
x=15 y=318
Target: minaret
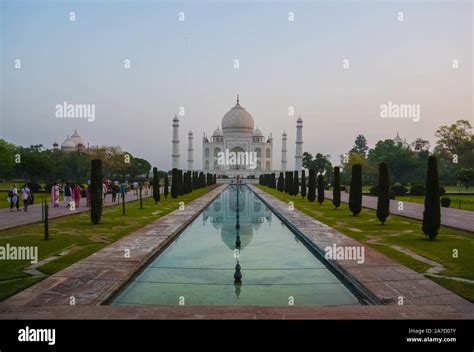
x=299 y=145
x=283 y=152
x=175 y=141
x=190 y=151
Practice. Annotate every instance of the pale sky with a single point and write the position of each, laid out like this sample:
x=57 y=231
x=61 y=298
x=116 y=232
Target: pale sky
x=190 y=63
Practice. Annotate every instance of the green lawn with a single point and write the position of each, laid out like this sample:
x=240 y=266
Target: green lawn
x=78 y=238
x=400 y=231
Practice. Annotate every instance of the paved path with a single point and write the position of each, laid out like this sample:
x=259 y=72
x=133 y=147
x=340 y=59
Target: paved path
x=459 y=219
x=33 y=215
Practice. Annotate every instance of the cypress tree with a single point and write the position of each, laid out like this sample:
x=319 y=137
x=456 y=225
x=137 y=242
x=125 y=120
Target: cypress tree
x=273 y=177
x=432 y=212
x=291 y=185
x=189 y=184
x=303 y=183
x=174 y=183
x=296 y=184
x=312 y=185
x=383 y=198
x=185 y=183
x=180 y=182
x=166 y=187
x=156 y=185
x=336 y=190
x=355 y=193
x=96 y=190
x=320 y=189
x=202 y=180
x=281 y=183
x=285 y=182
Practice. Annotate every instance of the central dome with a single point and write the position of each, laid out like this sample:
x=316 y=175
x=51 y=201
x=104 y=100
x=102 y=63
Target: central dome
x=237 y=120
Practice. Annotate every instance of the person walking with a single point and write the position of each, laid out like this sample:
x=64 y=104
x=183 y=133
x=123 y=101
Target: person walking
x=55 y=195
x=104 y=190
x=67 y=194
x=26 y=195
x=77 y=195
x=114 y=193
x=122 y=191
x=13 y=198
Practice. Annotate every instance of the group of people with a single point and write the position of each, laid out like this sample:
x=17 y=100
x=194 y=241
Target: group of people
x=72 y=194
x=14 y=197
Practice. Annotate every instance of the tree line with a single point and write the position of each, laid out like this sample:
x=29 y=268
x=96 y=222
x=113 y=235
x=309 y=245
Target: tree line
x=36 y=163
x=454 y=150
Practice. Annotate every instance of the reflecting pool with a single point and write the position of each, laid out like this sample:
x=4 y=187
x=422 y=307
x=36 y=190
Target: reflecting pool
x=198 y=268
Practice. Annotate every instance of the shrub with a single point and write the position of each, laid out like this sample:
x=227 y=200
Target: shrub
x=355 y=193
x=445 y=202
x=417 y=190
x=442 y=191
x=166 y=186
x=296 y=183
x=399 y=189
x=96 y=190
x=432 y=212
x=303 y=183
x=383 y=198
x=312 y=185
x=174 y=183
x=320 y=189
x=281 y=183
x=374 y=190
x=156 y=185
x=336 y=190
x=35 y=187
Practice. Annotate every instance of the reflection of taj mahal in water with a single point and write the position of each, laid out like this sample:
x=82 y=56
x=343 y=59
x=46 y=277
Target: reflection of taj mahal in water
x=222 y=214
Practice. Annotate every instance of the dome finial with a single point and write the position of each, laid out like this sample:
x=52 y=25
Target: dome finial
x=237 y=99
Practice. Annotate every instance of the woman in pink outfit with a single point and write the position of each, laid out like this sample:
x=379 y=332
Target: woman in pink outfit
x=55 y=195
x=77 y=195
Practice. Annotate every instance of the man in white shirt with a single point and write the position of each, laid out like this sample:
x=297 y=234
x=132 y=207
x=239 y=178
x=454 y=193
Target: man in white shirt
x=26 y=196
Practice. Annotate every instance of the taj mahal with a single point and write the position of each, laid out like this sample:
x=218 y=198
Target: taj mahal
x=237 y=136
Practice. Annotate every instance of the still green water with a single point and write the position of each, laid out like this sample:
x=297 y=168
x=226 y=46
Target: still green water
x=198 y=267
